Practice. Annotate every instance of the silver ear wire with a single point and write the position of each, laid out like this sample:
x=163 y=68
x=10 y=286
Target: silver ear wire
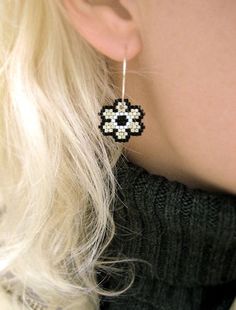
x=123 y=79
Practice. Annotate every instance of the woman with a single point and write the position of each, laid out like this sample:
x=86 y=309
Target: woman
x=88 y=222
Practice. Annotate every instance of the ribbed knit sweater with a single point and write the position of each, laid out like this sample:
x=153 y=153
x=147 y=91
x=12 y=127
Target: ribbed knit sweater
x=188 y=237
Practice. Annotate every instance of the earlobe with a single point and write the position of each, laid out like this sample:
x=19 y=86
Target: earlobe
x=105 y=29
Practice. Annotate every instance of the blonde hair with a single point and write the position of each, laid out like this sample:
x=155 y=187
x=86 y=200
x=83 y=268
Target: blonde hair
x=57 y=184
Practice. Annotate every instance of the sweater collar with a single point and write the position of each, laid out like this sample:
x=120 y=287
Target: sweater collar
x=187 y=235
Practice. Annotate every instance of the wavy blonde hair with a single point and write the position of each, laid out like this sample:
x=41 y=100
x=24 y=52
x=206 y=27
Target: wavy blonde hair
x=57 y=185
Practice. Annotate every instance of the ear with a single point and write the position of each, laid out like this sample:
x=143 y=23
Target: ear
x=110 y=27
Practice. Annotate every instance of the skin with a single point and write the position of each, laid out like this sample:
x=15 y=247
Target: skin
x=182 y=70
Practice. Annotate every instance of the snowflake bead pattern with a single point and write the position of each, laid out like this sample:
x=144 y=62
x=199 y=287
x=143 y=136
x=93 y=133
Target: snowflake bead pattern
x=121 y=120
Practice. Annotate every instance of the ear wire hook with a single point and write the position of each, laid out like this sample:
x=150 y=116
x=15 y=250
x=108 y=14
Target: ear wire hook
x=124 y=77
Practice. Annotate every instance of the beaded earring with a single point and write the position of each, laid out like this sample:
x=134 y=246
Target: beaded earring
x=121 y=120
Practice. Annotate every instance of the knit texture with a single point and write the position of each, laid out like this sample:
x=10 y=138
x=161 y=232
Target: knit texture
x=187 y=236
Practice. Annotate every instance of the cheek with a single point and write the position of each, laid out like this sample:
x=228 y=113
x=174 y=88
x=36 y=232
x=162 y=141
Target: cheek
x=196 y=80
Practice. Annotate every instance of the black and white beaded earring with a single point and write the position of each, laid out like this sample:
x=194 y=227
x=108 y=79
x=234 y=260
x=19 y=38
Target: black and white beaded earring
x=121 y=120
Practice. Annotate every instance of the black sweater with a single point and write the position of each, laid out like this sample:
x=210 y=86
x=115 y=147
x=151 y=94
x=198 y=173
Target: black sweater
x=188 y=237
